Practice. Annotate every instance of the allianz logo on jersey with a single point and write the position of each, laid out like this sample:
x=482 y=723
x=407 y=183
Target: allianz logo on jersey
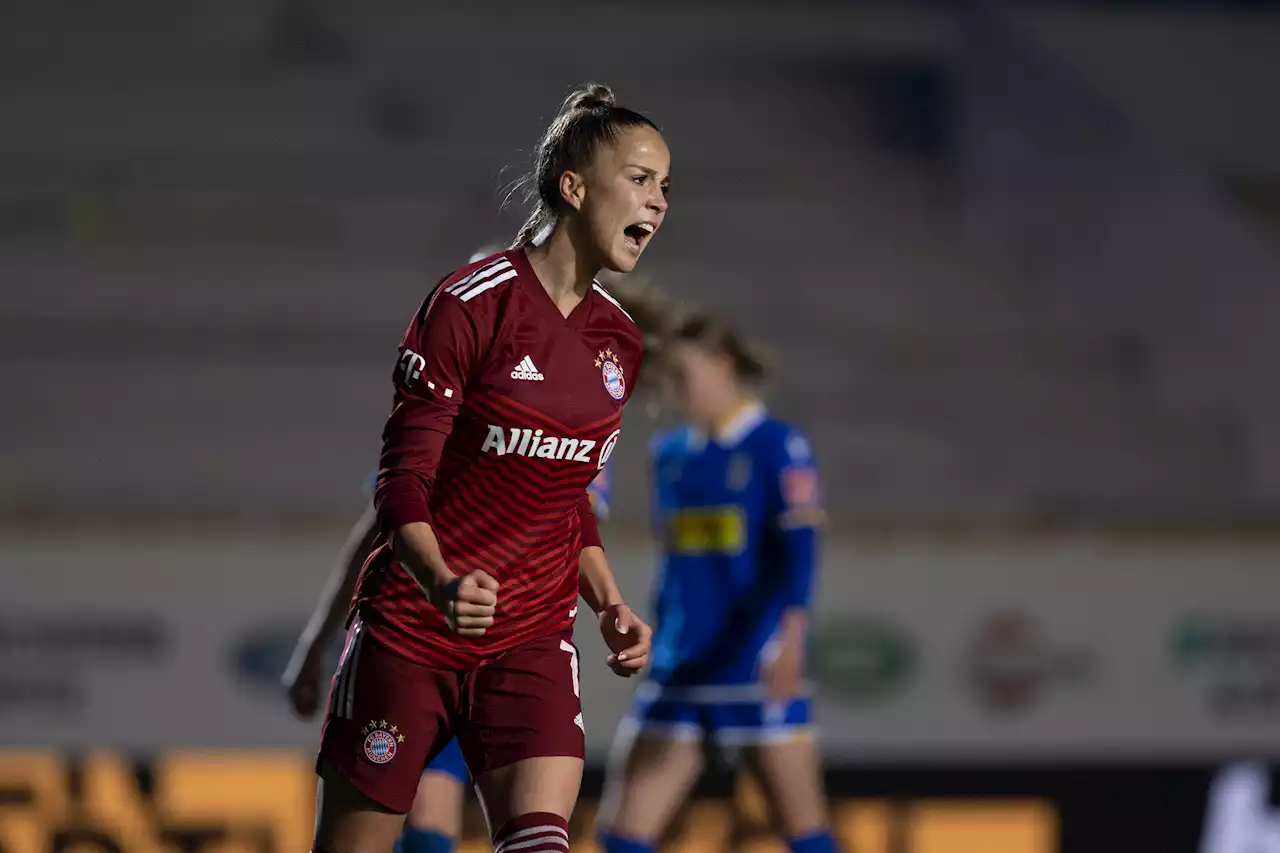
x=535 y=444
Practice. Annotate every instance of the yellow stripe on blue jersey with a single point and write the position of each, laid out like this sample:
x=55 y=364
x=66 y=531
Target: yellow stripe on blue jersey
x=707 y=530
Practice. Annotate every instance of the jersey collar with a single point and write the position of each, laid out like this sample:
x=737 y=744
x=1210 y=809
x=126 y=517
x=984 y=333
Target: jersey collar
x=736 y=429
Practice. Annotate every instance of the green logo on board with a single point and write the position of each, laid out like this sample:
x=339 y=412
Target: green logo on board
x=860 y=659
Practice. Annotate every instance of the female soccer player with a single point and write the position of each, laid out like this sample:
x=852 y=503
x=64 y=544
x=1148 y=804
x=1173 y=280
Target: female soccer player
x=509 y=391
x=735 y=498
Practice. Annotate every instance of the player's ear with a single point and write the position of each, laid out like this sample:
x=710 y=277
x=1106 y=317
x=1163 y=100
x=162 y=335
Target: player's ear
x=573 y=189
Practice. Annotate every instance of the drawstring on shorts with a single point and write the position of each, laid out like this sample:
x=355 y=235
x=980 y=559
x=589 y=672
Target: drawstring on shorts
x=469 y=692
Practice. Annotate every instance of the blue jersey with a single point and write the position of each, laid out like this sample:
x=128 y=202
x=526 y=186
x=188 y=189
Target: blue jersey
x=599 y=492
x=736 y=515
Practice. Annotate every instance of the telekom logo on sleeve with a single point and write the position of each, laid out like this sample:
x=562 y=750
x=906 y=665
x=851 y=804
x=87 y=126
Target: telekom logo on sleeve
x=533 y=443
x=411 y=366
x=409 y=370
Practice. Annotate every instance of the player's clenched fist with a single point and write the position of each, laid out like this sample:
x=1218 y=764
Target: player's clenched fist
x=468 y=602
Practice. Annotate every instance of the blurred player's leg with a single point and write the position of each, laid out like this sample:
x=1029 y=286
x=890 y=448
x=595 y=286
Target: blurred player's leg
x=650 y=775
x=435 y=821
x=790 y=772
x=349 y=822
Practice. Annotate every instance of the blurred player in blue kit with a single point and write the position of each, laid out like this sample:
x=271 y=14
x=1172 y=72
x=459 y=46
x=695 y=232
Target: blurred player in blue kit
x=736 y=507
x=434 y=824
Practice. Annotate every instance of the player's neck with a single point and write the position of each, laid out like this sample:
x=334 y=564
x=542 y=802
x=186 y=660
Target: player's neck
x=562 y=269
x=726 y=420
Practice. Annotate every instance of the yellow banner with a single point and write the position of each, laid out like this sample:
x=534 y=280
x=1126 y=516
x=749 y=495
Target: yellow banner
x=262 y=802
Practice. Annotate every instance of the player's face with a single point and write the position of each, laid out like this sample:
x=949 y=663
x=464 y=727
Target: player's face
x=625 y=198
x=701 y=384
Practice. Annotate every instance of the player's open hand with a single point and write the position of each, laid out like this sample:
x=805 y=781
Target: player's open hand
x=783 y=674
x=470 y=602
x=628 y=639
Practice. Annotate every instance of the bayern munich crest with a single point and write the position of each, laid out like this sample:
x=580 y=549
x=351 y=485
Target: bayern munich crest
x=381 y=741
x=611 y=371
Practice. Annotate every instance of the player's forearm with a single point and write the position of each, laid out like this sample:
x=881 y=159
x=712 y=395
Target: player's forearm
x=596 y=583
x=401 y=497
x=588 y=525
x=336 y=597
x=794 y=626
x=416 y=548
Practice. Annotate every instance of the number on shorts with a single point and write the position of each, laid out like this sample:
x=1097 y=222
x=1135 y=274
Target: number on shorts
x=573 y=664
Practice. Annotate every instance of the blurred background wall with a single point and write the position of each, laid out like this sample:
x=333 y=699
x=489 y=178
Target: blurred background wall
x=1019 y=266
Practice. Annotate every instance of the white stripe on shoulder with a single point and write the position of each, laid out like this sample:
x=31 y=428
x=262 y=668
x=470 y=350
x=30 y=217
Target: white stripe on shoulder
x=487 y=269
x=485 y=278
x=598 y=288
x=488 y=285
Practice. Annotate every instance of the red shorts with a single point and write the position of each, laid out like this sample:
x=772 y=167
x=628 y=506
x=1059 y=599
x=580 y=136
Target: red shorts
x=389 y=717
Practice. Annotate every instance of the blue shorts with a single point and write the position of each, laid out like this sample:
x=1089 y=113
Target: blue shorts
x=729 y=715
x=450 y=763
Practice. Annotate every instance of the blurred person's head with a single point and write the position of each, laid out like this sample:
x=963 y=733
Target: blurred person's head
x=600 y=181
x=702 y=365
x=484 y=252
x=648 y=306
x=710 y=370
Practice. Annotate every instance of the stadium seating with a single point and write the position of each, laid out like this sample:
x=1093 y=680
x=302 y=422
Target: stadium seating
x=208 y=274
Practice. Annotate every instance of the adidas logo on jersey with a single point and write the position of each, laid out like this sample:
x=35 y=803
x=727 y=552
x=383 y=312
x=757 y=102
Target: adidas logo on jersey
x=526 y=370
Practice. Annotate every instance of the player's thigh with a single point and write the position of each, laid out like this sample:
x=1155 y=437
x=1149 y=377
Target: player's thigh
x=442 y=792
x=650 y=774
x=387 y=718
x=347 y=821
x=790 y=772
x=778 y=739
x=438 y=805
x=522 y=732
x=547 y=783
x=656 y=758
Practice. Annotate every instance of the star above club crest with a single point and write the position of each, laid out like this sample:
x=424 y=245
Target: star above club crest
x=394 y=730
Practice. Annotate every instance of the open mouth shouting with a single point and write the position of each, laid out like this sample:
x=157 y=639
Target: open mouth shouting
x=635 y=235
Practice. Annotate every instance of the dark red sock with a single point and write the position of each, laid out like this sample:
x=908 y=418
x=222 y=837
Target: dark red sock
x=539 y=832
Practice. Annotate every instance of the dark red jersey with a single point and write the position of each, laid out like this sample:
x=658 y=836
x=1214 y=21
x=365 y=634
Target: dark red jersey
x=504 y=413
